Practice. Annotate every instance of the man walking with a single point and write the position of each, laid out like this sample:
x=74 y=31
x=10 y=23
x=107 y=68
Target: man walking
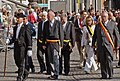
x=53 y=35
x=69 y=42
x=40 y=50
x=103 y=34
x=22 y=46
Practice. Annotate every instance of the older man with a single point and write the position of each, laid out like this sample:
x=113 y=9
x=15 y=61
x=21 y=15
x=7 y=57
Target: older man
x=105 y=44
x=53 y=35
x=69 y=43
x=40 y=44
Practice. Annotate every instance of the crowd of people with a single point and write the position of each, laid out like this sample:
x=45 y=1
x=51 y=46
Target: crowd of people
x=95 y=33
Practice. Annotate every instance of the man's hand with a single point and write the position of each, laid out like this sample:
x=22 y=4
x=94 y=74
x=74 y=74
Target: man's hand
x=44 y=47
x=29 y=53
x=93 y=46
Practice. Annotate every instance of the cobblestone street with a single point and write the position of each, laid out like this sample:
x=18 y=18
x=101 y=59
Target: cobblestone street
x=76 y=74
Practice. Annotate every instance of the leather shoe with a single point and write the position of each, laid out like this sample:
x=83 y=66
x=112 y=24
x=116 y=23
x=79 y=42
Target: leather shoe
x=66 y=74
x=16 y=71
x=110 y=77
x=103 y=78
x=33 y=70
x=54 y=77
x=25 y=76
x=19 y=79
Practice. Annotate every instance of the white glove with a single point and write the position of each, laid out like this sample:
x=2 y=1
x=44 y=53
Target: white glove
x=7 y=41
x=29 y=53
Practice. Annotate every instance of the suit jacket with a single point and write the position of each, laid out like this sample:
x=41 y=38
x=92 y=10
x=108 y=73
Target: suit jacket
x=40 y=34
x=70 y=19
x=101 y=39
x=33 y=32
x=55 y=32
x=24 y=38
x=69 y=33
x=77 y=28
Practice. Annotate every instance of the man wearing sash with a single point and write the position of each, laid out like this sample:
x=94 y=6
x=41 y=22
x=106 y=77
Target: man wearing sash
x=103 y=34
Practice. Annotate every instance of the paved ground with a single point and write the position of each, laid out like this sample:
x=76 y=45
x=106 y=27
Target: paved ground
x=76 y=74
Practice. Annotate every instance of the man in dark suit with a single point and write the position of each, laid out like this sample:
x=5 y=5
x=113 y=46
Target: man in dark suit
x=40 y=44
x=22 y=46
x=69 y=42
x=70 y=17
x=29 y=62
x=104 y=46
x=53 y=35
x=79 y=23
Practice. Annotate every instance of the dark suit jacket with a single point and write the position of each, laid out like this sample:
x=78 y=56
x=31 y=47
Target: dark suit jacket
x=40 y=34
x=101 y=39
x=55 y=32
x=69 y=33
x=70 y=19
x=77 y=29
x=24 y=37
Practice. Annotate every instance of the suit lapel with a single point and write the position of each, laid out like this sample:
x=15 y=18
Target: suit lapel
x=66 y=27
x=21 y=30
x=54 y=26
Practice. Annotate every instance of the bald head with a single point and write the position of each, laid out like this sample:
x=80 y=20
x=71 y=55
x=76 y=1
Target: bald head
x=104 y=16
x=110 y=15
x=51 y=15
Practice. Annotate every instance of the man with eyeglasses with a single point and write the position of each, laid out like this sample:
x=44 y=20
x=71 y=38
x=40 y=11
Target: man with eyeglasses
x=103 y=35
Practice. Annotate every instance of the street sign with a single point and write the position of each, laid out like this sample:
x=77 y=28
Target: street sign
x=43 y=5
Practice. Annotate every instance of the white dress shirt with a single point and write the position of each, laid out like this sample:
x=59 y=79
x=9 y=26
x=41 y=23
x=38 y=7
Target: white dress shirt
x=52 y=22
x=106 y=23
x=18 y=30
x=64 y=25
x=43 y=24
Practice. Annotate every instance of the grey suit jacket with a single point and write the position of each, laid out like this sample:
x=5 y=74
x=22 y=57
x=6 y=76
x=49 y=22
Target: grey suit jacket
x=55 y=32
x=101 y=39
x=69 y=33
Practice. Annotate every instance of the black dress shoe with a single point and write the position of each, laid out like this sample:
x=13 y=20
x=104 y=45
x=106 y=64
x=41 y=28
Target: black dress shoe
x=86 y=72
x=54 y=77
x=25 y=76
x=33 y=70
x=19 y=79
x=103 y=78
x=48 y=73
x=16 y=71
x=66 y=74
x=60 y=73
x=110 y=77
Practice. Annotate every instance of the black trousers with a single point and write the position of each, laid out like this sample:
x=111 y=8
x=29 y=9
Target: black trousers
x=29 y=63
x=19 y=57
x=106 y=62
x=119 y=58
x=40 y=57
x=65 y=53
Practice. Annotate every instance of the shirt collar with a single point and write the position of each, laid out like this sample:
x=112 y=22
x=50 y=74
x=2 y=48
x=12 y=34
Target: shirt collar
x=27 y=23
x=20 y=24
x=52 y=21
x=106 y=23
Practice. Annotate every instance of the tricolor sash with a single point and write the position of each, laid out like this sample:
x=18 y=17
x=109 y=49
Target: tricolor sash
x=107 y=34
